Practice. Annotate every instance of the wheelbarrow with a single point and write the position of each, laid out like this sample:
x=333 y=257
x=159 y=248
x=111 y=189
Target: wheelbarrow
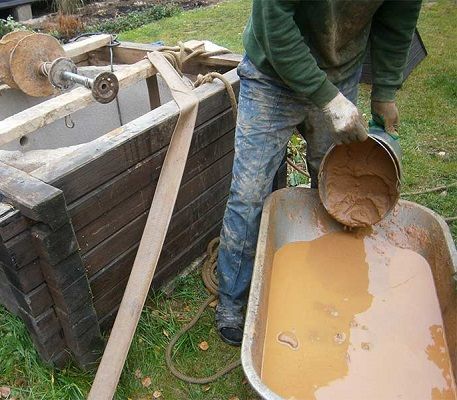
x=296 y=214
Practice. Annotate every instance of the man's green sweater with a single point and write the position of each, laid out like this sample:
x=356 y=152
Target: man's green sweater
x=312 y=44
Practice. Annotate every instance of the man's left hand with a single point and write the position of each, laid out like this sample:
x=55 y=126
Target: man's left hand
x=386 y=115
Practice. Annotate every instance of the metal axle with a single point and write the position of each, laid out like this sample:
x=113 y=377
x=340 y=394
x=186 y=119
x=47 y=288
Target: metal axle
x=80 y=79
x=62 y=73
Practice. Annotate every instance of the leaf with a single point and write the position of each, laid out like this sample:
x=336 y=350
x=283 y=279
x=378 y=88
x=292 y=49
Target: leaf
x=206 y=388
x=157 y=394
x=166 y=333
x=204 y=345
x=146 y=381
x=138 y=374
x=5 y=392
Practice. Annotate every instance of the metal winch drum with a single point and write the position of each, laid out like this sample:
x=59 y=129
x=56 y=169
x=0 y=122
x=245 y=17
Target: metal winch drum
x=36 y=64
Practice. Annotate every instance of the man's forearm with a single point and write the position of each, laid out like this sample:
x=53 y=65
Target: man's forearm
x=391 y=34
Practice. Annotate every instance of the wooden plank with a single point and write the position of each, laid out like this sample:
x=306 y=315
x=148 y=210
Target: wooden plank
x=115 y=152
x=91 y=43
x=26 y=278
x=118 y=243
x=63 y=274
x=118 y=216
x=54 y=246
x=51 y=349
x=11 y=222
x=7 y=298
x=45 y=325
x=80 y=320
x=153 y=91
x=105 y=197
x=18 y=251
x=186 y=257
x=164 y=272
x=89 y=342
x=120 y=267
x=129 y=52
x=196 y=229
x=116 y=271
x=32 y=197
x=35 y=302
x=73 y=297
x=113 y=220
x=111 y=299
x=58 y=251
x=111 y=193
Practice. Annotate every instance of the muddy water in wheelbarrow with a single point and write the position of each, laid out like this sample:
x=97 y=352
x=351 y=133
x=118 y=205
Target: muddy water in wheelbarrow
x=368 y=314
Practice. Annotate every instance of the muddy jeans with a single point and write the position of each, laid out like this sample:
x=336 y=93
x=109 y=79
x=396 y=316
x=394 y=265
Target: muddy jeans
x=267 y=114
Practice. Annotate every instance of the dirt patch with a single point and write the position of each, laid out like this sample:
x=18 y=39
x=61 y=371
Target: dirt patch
x=94 y=13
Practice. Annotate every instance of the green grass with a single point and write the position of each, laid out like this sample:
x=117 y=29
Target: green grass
x=223 y=24
x=427 y=104
x=163 y=316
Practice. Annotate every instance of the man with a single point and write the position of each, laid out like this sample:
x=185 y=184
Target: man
x=302 y=67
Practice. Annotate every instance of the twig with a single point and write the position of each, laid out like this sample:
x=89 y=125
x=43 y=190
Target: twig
x=435 y=189
x=297 y=168
x=451 y=219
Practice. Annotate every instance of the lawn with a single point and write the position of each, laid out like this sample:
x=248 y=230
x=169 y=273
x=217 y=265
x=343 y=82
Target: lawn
x=427 y=102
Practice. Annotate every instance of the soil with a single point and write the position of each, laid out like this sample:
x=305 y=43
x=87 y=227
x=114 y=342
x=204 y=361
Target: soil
x=95 y=12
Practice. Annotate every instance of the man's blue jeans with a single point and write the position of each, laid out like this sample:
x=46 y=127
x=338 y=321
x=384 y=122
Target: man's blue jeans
x=268 y=112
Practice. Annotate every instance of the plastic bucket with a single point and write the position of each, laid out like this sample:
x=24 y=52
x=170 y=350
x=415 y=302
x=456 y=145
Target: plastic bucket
x=359 y=183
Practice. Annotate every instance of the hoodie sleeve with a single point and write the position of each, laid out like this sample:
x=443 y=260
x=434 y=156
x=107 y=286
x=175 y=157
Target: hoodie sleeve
x=392 y=31
x=276 y=31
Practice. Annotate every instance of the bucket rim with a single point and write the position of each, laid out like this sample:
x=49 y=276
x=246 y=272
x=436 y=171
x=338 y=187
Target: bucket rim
x=395 y=161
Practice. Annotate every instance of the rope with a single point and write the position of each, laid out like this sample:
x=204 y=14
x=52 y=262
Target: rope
x=211 y=283
x=177 y=56
x=209 y=78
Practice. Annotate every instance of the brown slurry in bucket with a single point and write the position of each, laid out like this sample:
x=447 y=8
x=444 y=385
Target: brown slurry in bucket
x=359 y=183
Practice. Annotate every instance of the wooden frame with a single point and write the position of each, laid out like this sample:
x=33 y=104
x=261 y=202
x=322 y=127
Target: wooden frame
x=69 y=235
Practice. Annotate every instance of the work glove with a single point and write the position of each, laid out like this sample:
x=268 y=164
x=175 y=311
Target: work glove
x=386 y=115
x=348 y=124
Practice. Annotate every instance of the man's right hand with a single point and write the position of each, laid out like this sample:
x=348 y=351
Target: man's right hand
x=348 y=125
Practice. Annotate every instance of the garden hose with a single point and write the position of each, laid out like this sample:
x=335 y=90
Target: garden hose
x=211 y=284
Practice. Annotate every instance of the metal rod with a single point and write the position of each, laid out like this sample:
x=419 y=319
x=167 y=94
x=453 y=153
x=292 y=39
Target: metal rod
x=82 y=80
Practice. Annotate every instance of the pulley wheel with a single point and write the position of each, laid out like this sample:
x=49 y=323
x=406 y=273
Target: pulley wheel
x=26 y=60
x=105 y=87
x=7 y=44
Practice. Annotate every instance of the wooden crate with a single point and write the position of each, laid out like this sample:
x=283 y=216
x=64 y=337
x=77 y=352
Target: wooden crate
x=70 y=229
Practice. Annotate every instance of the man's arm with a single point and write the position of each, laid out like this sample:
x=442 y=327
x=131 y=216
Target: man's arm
x=275 y=30
x=391 y=35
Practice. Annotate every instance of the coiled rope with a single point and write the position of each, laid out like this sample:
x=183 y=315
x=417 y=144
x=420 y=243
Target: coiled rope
x=211 y=283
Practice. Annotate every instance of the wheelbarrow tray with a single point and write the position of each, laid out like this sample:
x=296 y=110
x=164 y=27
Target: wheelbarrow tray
x=296 y=214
